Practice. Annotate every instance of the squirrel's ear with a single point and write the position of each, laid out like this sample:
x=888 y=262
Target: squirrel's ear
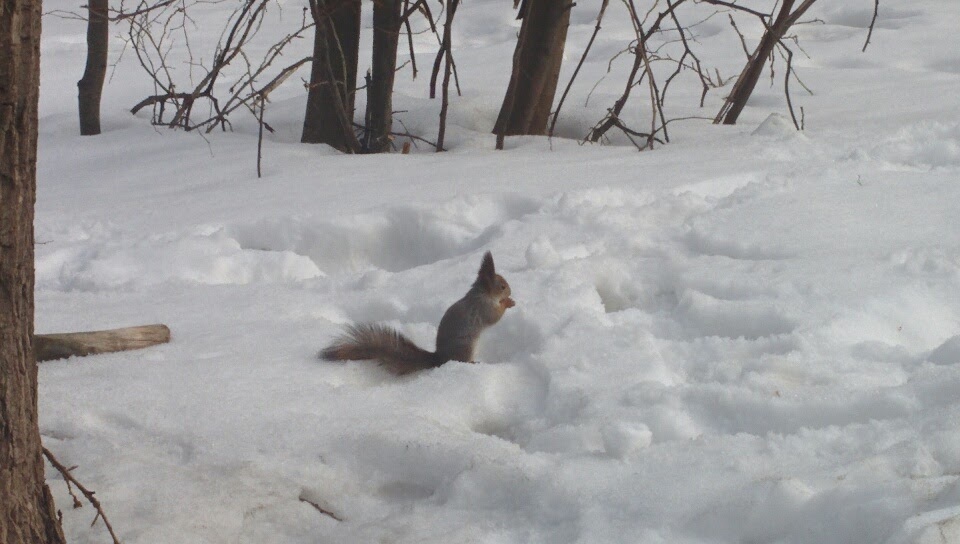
x=487 y=273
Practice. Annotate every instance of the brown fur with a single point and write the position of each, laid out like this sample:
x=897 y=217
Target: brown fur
x=375 y=342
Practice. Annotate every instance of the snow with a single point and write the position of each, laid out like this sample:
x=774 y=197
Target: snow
x=747 y=335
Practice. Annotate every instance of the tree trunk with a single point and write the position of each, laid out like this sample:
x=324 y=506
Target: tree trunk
x=333 y=78
x=536 y=68
x=91 y=85
x=27 y=512
x=386 y=34
x=750 y=75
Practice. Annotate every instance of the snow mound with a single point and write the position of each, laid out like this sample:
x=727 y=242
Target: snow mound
x=395 y=239
x=776 y=125
x=947 y=353
x=926 y=145
x=205 y=256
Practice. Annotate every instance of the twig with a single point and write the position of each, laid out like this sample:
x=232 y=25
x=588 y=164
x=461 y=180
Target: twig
x=731 y=5
x=443 y=51
x=263 y=106
x=583 y=57
x=786 y=83
x=406 y=134
x=876 y=10
x=743 y=40
x=89 y=495
x=321 y=509
x=121 y=15
x=406 y=23
x=638 y=62
x=150 y=34
x=448 y=61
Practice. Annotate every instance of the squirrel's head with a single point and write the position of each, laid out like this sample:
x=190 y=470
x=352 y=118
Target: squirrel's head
x=493 y=284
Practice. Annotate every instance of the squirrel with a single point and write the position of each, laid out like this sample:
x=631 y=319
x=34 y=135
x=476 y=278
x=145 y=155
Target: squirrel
x=460 y=327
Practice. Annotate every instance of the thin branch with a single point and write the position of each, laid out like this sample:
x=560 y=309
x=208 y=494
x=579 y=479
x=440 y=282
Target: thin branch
x=786 y=83
x=89 y=495
x=743 y=40
x=638 y=62
x=406 y=134
x=876 y=11
x=321 y=509
x=566 y=90
x=263 y=105
x=121 y=15
x=448 y=61
x=443 y=52
x=406 y=23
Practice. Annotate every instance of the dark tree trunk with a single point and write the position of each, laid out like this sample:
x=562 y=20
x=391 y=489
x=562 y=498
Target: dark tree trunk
x=751 y=73
x=333 y=78
x=536 y=68
x=91 y=85
x=386 y=34
x=27 y=512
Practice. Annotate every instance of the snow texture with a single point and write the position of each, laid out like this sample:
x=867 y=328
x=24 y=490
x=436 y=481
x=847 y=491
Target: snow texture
x=750 y=335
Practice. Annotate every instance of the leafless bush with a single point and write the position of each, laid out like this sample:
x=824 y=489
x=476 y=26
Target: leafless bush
x=232 y=80
x=676 y=50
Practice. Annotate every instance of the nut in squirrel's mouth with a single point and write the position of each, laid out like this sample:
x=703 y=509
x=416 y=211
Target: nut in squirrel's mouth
x=508 y=302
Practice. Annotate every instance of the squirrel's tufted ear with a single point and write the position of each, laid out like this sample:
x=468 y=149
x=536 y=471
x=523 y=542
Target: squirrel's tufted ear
x=487 y=273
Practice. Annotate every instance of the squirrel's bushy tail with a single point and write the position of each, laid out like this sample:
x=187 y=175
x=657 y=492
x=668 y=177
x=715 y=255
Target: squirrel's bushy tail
x=374 y=342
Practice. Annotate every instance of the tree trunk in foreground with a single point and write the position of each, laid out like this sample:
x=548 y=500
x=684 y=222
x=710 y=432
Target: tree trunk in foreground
x=91 y=85
x=386 y=34
x=27 y=512
x=536 y=68
x=333 y=78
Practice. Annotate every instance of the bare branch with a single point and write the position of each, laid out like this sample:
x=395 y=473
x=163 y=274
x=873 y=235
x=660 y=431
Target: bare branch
x=743 y=41
x=448 y=62
x=786 y=82
x=873 y=21
x=321 y=509
x=89 y=495
x=583 y=57
x=734 y=6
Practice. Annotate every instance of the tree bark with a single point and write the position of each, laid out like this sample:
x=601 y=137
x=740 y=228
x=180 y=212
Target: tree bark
x=386 y=35
x=333 y=78
x=27 y=511
x=536 y=68
x=91 y=84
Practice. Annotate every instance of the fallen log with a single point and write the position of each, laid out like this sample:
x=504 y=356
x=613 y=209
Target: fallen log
x=60 y=346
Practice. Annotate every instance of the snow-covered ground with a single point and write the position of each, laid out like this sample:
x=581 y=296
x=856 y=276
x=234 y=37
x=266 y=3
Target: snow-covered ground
x=750 y=335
